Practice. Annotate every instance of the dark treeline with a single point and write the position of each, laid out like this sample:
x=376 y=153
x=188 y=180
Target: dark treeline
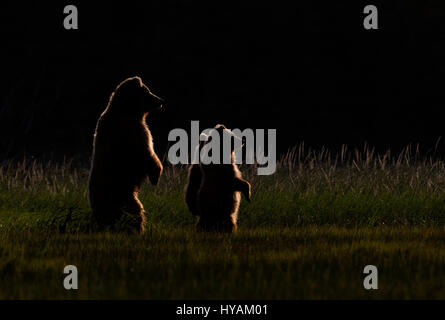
x=308 y=69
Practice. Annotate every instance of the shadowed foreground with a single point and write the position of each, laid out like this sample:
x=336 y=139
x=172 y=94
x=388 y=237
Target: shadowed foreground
x=272 y=263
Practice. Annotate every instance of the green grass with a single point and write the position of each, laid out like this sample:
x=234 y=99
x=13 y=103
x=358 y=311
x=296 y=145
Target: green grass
x=307 y=234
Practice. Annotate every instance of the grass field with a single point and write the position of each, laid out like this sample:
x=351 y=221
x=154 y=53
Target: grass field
x=307 y=234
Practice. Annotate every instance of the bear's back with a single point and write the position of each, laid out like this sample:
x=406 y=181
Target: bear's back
x=119 y=146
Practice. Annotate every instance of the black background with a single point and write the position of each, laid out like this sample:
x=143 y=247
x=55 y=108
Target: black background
x=306 y=68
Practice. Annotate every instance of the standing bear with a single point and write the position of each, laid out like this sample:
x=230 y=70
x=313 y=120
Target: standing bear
x=123 y=157
x=213 y=191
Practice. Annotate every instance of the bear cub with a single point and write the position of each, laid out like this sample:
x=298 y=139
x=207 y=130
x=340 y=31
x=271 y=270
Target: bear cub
x=123 y=157
x=213 y=192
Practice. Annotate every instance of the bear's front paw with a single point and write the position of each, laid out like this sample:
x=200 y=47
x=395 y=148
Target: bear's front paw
x=247 y=190
x=249 y=196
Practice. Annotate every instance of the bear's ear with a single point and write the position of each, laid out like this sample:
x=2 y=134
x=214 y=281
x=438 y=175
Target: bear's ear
x=203 y=139
x=223 y=131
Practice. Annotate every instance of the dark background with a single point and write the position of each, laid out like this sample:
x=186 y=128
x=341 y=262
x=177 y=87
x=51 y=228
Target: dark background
x=306 y=68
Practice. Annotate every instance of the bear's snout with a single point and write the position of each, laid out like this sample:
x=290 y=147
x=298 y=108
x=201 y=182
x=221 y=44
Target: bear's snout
x=154 y=102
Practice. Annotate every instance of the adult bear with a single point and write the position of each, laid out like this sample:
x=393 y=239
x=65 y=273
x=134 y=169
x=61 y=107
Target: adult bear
x=123 y=157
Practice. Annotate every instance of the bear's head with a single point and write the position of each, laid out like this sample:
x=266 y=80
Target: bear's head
x=224 y=135
x=132 y=96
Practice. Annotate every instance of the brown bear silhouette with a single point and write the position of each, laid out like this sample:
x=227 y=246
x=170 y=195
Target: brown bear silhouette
x=213 y=192
x=123 y=157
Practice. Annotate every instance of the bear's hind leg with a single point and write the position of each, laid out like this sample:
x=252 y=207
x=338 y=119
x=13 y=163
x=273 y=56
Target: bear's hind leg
x=134 y=220
x=220 y=226
x=105 y=219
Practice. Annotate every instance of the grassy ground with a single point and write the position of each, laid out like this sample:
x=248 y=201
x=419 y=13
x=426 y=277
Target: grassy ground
x=308 y=233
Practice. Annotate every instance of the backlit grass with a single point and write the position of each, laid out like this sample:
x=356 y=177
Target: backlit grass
x=308 y=233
